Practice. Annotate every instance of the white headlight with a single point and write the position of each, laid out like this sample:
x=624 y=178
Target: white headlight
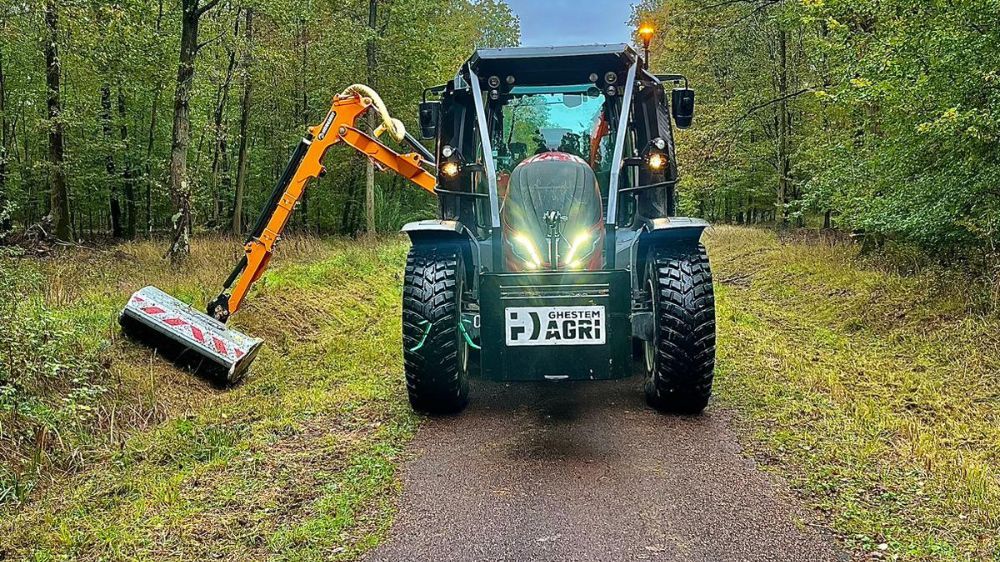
x=575 y=247
x=529 y=247
x=657 y=161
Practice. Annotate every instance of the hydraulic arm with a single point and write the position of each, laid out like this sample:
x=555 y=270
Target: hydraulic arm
x=307 y=164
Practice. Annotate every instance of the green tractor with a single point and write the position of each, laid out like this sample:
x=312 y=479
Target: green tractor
x=557 y=254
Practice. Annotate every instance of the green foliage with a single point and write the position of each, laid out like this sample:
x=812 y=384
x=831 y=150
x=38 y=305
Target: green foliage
x=47 y=382
x=300 y=55
x=893 y=121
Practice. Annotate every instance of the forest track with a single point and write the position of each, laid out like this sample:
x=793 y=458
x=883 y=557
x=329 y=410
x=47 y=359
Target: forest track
x=586 y=471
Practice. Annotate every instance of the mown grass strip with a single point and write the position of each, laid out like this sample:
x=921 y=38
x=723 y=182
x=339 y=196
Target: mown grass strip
x=874 y=393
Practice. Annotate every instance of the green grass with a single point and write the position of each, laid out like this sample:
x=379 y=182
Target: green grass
x=874 y=394
x=298 y=463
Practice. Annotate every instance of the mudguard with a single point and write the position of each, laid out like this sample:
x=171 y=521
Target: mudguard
x=436 y=231
x=432 y=229
x=680 y=233
x=679 y=230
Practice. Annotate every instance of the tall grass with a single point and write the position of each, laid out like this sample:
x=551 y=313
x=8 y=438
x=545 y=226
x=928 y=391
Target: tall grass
x=70 y=392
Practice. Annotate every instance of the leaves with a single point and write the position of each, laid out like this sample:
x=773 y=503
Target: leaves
x=900 y=139
x=302 y=53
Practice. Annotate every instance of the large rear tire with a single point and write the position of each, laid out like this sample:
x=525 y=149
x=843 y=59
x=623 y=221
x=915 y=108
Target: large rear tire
x=435 y=354
x=680 y=362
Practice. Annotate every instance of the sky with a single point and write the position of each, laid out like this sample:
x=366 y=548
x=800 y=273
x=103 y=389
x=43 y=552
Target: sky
x=572 y=22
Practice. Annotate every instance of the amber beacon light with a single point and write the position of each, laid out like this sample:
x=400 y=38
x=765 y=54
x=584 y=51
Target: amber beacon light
x=646 y=32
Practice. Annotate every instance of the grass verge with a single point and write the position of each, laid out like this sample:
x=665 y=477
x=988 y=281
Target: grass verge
x=875 y=394
x=297 y=463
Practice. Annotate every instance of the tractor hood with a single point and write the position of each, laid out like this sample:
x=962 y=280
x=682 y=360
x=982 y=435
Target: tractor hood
x=565 y=188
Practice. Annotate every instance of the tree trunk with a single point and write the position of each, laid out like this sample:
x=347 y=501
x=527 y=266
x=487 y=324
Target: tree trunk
x=150 y=141
x=152 y=137
x=58 y=194
x=128 y=175
x=304 y=38
x=245 y=105
x=784 y=126
x=220 y=160
x=370 y=165
x=6 y=221
x=109 y=163
x=180 y=187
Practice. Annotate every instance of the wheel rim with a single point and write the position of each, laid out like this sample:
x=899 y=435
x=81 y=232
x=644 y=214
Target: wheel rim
x=649 y=347
x=463 y=345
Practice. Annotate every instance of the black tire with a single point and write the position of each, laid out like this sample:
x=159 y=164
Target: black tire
x=435 y=355
x=680 y=362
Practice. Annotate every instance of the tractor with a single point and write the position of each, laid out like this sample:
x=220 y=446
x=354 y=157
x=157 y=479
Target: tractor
x=556 y=254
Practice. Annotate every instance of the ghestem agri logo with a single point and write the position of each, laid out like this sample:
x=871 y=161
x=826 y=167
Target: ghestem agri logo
x=555 y=325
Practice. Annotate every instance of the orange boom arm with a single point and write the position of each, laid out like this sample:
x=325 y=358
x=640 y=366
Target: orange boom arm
x=307 y=164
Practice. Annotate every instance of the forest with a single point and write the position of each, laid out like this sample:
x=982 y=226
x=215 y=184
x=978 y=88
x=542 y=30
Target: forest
x=879 y=118
x=136 y=118
x=142 y=117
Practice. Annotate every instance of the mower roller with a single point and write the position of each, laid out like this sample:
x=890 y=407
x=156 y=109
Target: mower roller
x=556 y=253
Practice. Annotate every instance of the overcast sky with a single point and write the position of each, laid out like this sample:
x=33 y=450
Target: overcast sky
x=572 y=22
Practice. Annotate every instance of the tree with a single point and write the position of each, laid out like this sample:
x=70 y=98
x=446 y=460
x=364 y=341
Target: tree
x=369 y=164
x=245 y=105
x=180 y=186
x=58 y=193
x=112 y=179
x=6 y=221
x=128 y=174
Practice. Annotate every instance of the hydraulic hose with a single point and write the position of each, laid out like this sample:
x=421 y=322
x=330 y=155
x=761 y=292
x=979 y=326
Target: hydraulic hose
x=394 y=126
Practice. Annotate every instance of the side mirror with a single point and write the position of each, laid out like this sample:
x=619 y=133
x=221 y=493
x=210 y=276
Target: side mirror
x=683 y=106
x=430 y=116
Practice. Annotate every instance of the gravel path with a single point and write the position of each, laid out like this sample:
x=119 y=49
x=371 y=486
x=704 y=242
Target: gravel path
x=585 y=471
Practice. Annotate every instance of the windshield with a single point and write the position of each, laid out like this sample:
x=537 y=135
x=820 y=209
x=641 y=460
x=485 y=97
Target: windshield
x=570 y=119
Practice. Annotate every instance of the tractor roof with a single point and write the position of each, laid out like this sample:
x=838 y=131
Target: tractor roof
x=534 y=66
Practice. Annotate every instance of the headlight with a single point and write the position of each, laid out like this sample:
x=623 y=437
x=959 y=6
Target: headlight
x=525 y=249
x=580 y=248
x=657 y=161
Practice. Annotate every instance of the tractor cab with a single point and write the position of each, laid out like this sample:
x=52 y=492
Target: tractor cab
x=528 y=133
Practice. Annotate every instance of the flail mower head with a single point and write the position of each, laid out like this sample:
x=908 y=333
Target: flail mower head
x=186 y=336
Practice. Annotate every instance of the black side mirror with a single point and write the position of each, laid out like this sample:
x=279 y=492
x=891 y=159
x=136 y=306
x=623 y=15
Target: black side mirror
x=683 y=102
x=430 y=116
